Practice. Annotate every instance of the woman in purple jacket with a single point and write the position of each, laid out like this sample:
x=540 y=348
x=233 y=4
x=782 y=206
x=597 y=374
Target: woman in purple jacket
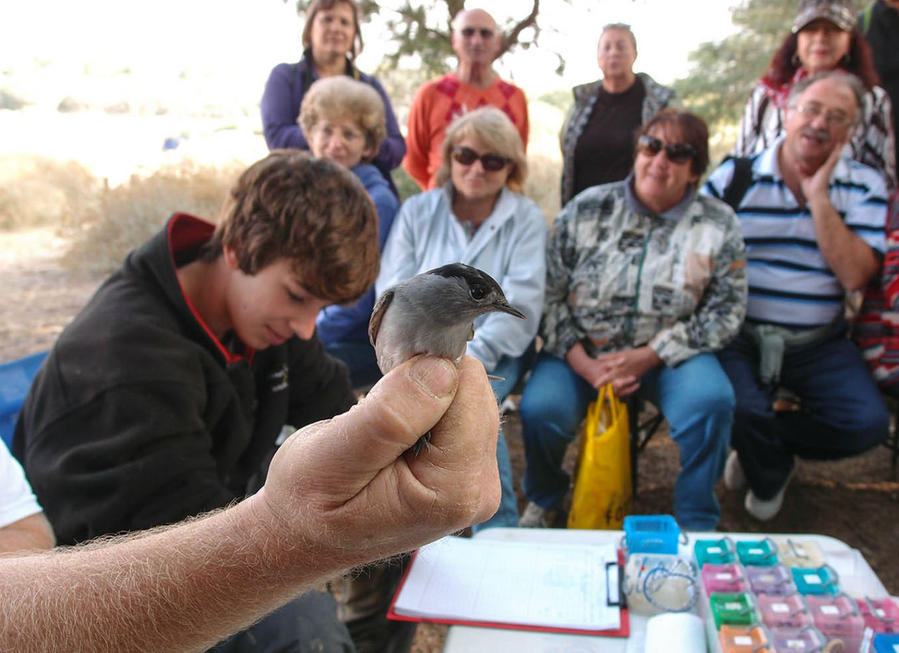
x=331 y=41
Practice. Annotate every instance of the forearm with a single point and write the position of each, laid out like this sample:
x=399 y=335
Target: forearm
x=27 y=534
x=178 y=588
x=848 y=256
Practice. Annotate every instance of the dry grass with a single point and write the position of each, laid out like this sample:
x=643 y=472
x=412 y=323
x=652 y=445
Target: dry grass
x=131 y=213
x=101 y=223
x=38 y=191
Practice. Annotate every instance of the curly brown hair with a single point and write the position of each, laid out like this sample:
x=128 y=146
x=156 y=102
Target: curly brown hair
x=859 y=61
x=310 y=211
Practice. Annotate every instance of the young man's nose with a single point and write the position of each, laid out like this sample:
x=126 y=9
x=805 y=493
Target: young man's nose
x=303 y=326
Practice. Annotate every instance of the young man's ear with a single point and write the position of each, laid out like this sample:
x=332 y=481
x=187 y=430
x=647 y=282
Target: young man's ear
x=230 y=257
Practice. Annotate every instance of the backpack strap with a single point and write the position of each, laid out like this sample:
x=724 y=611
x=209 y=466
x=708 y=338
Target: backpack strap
x=740 y=181
x=866 y=18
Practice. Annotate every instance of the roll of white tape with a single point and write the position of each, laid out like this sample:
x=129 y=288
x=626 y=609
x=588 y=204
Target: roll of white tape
x=675 y=631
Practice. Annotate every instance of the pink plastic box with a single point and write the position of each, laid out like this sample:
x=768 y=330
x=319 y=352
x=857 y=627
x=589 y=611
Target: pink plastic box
x=837 y=617
x=728 y=577
x=784 y=611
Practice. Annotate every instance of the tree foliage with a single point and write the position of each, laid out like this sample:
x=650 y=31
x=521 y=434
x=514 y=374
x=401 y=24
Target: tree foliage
x=422 y=29
x=723 y=74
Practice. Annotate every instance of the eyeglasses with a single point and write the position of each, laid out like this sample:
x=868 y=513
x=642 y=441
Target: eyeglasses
x=485 y=33
x=832 y=118
x=675 y=152
x=490 y=162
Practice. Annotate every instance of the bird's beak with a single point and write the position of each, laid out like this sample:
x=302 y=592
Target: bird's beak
x=505 y=307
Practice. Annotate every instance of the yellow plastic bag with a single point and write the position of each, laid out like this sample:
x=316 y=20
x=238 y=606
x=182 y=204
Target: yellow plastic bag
x=603 y=493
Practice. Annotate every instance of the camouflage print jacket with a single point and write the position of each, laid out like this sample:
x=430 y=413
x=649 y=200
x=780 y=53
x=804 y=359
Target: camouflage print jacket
x=624 y=277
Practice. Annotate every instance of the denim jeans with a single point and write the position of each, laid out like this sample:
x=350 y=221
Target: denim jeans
x=509 y=370
x=841 y=412
x=695 y=397
x=307 y=624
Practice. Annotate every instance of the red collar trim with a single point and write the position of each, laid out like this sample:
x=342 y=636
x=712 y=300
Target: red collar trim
x=186 y=232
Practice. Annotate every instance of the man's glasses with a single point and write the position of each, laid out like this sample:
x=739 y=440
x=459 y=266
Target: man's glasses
x=832 y=118
x=490 y=162
x=485 y=33
x=675 y=152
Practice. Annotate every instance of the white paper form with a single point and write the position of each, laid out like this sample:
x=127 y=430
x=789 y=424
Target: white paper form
x=551 y=585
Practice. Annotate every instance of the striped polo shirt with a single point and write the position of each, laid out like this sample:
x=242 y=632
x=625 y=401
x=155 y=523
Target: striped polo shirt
x=790 y=283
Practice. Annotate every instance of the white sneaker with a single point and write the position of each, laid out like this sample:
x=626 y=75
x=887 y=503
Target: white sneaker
x=765 y=510
x=734 y=476
x=534 y=516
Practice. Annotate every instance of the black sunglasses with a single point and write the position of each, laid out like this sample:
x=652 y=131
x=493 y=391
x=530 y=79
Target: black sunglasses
x=485 y=33
x=676 y=152
x=490 y=162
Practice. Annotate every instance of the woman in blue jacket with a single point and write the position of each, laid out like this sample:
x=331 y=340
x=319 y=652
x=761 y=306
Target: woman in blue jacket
x=331 y=41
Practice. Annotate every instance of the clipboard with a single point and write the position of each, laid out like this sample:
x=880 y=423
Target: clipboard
x=614 y=575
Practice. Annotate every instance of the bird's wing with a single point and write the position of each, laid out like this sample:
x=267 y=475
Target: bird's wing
x=471 y=333
x=377 y=314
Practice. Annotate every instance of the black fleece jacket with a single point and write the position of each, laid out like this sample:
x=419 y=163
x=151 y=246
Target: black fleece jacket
x=140 y=417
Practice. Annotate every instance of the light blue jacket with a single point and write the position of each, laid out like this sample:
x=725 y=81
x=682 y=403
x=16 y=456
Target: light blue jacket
x=510 y=246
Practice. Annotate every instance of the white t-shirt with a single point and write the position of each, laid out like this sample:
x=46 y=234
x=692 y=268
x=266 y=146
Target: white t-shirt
x=17 y=501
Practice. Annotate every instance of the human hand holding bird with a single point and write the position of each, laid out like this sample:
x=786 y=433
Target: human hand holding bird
x=433 y=313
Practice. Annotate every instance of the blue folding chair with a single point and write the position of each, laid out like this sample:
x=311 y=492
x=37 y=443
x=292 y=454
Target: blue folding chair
x=15 y=380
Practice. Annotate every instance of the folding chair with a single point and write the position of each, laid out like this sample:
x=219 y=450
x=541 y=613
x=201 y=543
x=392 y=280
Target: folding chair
x=892 y=442
x=15 y=380
x=641 y=432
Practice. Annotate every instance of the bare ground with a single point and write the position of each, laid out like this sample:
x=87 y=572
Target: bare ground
x=855 y=500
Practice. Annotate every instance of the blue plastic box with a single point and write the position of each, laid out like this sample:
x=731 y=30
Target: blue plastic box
x=886 y=643
x=651 y=534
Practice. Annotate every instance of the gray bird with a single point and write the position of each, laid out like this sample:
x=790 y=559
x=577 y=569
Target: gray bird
x=433 y=313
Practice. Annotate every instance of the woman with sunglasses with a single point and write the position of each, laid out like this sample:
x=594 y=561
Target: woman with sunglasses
x=645 y=280
x=824 y=37
x=478 y=216
x=597 y=136
x=331 y=40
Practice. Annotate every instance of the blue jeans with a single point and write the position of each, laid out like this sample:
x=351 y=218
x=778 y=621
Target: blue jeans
x=695 y=397
x=510 y=370
x=360 y=358
x=841 y=412
x=306 y=625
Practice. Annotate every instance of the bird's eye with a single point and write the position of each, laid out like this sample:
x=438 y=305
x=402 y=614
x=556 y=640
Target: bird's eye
x=478 y=293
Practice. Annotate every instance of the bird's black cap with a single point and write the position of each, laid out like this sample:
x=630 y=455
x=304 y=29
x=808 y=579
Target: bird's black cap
x=478 y=279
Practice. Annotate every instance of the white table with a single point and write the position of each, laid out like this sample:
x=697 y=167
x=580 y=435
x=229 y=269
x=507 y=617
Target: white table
x=856 y=578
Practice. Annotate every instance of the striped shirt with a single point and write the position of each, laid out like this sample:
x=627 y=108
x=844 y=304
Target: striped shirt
x=790 y=283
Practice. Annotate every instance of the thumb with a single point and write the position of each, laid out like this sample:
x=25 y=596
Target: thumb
x=353 y=447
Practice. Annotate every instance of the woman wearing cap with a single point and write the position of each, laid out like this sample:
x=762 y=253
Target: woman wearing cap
x=331 y=41
x=597 y=137
x=824 y=37
x=645 y=279
x=477 y=215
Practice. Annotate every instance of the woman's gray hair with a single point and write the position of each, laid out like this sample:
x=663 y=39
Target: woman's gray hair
x=850 y=80
x=624 y=27
x=493 y=129
x=344 y=97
